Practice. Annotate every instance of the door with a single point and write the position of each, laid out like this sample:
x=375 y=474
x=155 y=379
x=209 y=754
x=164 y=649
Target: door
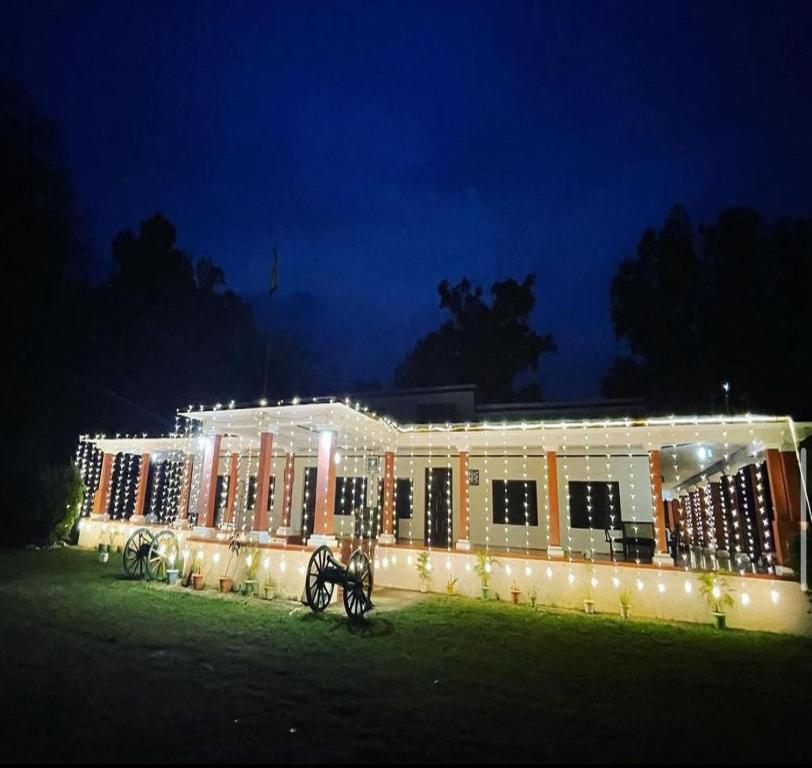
x=439 y=505
x=309 y=505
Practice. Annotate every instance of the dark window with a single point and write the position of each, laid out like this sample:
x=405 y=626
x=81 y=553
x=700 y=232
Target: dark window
x=602 y=497
x=252 y=492
x=403 y=501
x=271 y=492
x=350 y=495
x=509 y=509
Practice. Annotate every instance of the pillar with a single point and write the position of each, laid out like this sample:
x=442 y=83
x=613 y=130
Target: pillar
x=233 y=481
x=323 y=523
x=554 y=544
x=287 y=495
x=141 y=489
x=785 y=491
x=264 y=470
x=103 y=491
x=661 y=556
x=186 y=487
x=388 y=535
x=464 y=542
x=208 y=482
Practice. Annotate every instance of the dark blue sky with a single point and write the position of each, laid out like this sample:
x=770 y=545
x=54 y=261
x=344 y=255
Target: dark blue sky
x=385 y=146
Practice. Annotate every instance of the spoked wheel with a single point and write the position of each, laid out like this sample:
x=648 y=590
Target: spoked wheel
x=162 y=551
x=136 y=553
x=358 y=590
x=318 y=591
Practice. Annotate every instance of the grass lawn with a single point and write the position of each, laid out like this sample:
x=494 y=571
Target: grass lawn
x=95 y=668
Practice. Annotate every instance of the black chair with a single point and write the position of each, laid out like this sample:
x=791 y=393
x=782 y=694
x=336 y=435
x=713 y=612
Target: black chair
x=638 y=541
x=614 y=538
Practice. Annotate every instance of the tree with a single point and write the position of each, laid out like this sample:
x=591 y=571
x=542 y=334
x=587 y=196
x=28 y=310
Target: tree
x=170 y=332
x=42 y=256
x=487 y=344
x=726 y=303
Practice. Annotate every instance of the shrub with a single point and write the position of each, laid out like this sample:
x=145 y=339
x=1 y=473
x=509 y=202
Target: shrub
x=60 y=502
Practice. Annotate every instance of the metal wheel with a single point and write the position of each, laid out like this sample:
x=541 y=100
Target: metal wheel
x=358 y=589
x=318 y=591
x=162 y=551
x=136 y=553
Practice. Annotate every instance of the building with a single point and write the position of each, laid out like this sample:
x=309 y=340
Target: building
x=590 y=494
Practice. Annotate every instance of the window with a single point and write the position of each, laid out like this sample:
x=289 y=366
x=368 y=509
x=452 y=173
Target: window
x=509 y=508
x=251 y=496
x=271 y=492
x=603 y=497
x=403 y=498
x=350 y=495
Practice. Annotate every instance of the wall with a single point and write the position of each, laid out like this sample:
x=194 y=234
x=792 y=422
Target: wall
x=774 y=605
x=632 y=476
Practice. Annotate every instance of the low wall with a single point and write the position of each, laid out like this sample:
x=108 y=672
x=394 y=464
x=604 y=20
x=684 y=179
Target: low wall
x=760 y=602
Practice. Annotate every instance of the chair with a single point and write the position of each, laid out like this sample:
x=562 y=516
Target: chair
x=614 y=538
x=638 y=538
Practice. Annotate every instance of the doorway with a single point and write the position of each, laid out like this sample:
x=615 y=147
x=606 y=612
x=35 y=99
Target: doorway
x=439 y=507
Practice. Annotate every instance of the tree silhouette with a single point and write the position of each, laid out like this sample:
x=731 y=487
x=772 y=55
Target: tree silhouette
x=725 y=303
x=487 y=344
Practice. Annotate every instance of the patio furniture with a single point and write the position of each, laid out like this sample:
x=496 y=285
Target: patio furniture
x=614 y=538
x=638 y=541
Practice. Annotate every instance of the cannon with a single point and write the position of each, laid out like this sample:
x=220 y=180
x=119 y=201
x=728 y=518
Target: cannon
x=324 y=572
x=146 y=554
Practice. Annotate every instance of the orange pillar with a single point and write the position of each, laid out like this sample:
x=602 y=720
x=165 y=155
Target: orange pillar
x=785 y=491
x=464 y=522
x=388 y=493
x=263 y=481
x=188 y=470
x=325 y=485
x=208 y=482
x=141 y=488
x=103 y=491
x=657 y=499
x=287 y=490
x=552 y=496
x=233 y=480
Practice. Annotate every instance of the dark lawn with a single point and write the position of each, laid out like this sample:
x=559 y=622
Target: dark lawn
x=94 y=668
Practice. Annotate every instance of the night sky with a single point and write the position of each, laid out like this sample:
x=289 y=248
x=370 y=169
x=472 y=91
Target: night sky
x=385 y=146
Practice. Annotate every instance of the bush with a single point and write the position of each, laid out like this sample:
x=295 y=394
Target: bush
x=60 y=502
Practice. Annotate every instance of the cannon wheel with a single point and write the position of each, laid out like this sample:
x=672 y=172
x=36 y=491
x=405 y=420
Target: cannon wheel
x=136 y=553
x=358 y=590
x=318 y=591
x=162 y=548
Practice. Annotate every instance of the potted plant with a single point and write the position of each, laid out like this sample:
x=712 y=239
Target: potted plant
x=104 y=545
x=625 y=603
x=716 y=591
x=423 y=570
x=451 y=585
x=226 y=581
x=269 y=587
x=515 y=592
x=483 y=569
x=249 y=586
x=171 y=571
x=533 y=595
x=198 y=579
x=117 y=541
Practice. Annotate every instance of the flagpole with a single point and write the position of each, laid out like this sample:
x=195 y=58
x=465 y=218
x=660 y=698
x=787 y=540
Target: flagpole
x=271 y=290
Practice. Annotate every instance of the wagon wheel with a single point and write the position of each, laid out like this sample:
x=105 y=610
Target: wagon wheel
x=164 y=549
x=358 y=590
x=318 y=590
x=136 y=552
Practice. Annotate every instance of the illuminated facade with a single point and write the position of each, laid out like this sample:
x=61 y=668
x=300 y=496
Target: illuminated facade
x=629 y=500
